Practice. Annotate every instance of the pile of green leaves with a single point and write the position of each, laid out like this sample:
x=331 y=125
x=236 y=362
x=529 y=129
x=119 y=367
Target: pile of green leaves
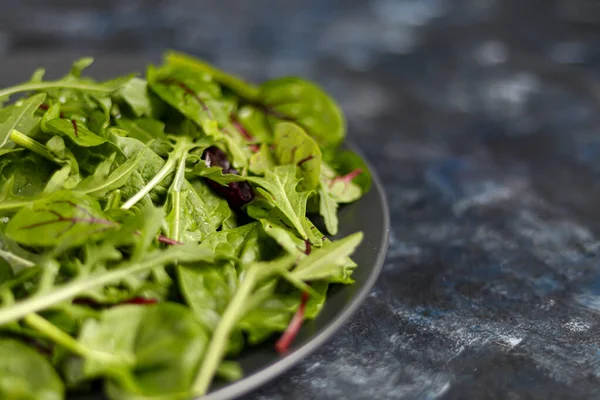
x=153 y=228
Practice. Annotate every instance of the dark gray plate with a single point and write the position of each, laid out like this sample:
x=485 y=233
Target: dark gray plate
x=369 y=215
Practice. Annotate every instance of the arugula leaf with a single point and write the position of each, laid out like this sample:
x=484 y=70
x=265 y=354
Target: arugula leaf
x=68 y=291
x=255 y=122
x=301 y=102
x=76 y=131
x=21 y=114
x=325 y=261
x=25 y=374
x=68 y=82
x=279 y=187
x=136 y=95
x=328 y=209
x=232 y=314
x=104 y=181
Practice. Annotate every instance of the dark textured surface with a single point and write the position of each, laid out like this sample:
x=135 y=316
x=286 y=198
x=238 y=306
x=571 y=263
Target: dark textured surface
x=482 y=116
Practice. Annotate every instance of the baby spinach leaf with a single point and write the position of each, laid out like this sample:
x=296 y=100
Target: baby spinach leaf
x=244 y=89
x=28 y=173
x=76 y=131
x=60 y=217
x=143 y=129
x=192 y=94
x=135 y=94
x=279 y=187
x=301 y=102
x=209 y=211
x=25 y=374
x=154 y=352
x=294 y=146
x=255 y=122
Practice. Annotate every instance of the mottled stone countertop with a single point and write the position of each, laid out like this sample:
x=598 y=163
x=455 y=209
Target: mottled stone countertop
x=483 y=119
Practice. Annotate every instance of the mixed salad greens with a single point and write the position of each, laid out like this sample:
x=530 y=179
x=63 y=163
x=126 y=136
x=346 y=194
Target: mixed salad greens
x=153 y=228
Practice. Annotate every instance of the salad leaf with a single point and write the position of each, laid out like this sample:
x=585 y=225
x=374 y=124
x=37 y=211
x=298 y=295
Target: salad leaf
x=61 y=217
x=155 y=227
x=25 y=374
x=76 y=131
x=279 y=187
x=153 y=351
x=293 y=146
x=242 y=88
x=20 y=114
x=296 y=100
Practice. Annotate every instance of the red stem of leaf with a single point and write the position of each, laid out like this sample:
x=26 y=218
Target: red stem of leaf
x=346 y=178
x=293 y=328
x=308 y=247
x=254 y=147
x=305 y=159
x=166 y=240
x=189 y=91
x=74 y=123
x=235 y=122
x=140 y=301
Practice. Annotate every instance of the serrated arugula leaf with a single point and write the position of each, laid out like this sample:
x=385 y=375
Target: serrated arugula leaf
x=76 y=131
x=104 y=181
x=328 y=208
x=279 y=187
x=20 y=116
x=324 y=262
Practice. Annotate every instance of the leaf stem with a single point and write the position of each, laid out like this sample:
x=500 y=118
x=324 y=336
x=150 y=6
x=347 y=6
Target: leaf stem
x=42 y=325
x=9 y=256
x=72 y=289
x=220 y=337
x=28 y=87
x=180 y=149
x=34 y=146
x=61 y=338
x=176 y=198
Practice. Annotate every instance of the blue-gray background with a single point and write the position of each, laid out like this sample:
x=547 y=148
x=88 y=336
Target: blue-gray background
x=482 y=117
